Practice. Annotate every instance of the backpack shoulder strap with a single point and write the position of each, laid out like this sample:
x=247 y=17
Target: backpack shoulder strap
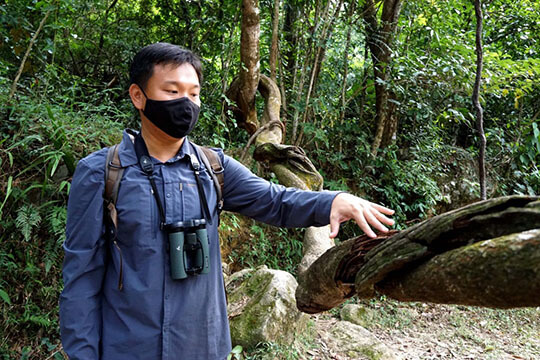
x=212 y=162
x=113 y=175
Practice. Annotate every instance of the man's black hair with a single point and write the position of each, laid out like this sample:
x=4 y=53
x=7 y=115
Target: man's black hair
x=142 y=66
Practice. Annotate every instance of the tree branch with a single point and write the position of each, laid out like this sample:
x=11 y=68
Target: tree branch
x=23 y=62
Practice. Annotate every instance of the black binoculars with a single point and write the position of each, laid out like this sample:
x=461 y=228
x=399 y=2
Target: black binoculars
x=188 y=248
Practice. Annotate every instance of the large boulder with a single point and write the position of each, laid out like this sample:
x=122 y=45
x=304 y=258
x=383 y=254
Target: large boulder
x=262 y=307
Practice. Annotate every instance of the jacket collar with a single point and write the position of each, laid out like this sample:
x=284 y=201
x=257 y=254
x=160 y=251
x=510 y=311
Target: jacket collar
x=127 y=153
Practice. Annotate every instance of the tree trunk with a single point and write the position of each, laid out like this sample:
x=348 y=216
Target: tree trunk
x=290 y=163
x=476 y=102
x=350 y=13
x=310 y=62
x=503 y=272
x=291 y=39
x=249 y=57
x=483 y=254
x=380 y=38
x=274 y=45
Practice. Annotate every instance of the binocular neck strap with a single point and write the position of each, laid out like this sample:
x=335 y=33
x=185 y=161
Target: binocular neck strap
x=148 y=167
x=202 y=196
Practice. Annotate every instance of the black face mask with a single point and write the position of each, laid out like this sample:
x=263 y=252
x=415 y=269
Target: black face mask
x=175 y=117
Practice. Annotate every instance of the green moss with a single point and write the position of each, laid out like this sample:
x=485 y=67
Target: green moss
x=257 y=283
x=246 y=328
x=370 y=352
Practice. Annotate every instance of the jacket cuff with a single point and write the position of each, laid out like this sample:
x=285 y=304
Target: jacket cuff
x=324 y=206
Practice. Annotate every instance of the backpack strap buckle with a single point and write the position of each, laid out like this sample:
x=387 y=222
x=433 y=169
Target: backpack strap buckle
x=215 y=169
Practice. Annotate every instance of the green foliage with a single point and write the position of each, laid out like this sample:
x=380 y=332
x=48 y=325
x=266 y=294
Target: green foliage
x=56 y=221
x=4 y=295
x=407 y=186
x=27 y=218
x=236 y=353
x=404 y=180
x=71 y=100
x=278 y=248
x=56 y=121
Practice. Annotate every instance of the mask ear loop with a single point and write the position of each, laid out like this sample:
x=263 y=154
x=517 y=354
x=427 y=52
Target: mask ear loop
x=140 y=87
x=146 y=96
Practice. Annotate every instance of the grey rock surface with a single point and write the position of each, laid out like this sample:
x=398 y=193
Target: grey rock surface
x=262 y=307
x=353 y=341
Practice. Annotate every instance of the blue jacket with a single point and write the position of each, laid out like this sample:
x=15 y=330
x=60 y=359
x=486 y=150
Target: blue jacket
x=153 y=316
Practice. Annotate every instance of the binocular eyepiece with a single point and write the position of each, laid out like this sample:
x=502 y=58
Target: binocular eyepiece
x=188 y=245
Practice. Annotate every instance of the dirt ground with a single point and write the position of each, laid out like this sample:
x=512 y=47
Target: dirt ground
x=433 y=331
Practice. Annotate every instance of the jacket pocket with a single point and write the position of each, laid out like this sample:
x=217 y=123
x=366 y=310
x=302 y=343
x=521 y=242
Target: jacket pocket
x=137 y=214
x=191 y=197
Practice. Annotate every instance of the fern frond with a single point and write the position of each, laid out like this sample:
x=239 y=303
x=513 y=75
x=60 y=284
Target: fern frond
x=27 y=218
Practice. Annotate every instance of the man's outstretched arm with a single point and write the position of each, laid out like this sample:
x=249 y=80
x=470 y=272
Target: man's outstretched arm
x=84 y=264
x=286 y=207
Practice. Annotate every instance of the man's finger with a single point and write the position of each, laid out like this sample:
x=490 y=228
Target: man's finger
x=383 y=219
x=383 y=209
x=371 y=219
x=362 y=223
x=334 y=227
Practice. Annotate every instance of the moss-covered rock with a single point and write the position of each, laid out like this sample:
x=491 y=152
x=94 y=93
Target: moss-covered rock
x=262 y=307
x=357 y=314
x=356 y=342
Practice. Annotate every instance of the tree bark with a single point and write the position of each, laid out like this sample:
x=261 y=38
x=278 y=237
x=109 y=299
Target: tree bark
x=104 y=26
x=274 y=46
x=249 y=57
x=476 y=102
x=350 y=13
x=392 y=264
x=312 y=49
x=503 y=272
x=290 y=36
x=380 y=37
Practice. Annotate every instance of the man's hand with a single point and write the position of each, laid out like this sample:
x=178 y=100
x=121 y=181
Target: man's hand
x=346 y=206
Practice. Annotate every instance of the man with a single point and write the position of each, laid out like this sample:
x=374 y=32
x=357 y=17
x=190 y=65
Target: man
x=119 y=299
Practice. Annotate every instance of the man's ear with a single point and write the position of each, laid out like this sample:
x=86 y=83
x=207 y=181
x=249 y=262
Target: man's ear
x=137 y=97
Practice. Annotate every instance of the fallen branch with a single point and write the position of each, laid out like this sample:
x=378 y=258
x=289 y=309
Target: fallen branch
x=360 y=267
